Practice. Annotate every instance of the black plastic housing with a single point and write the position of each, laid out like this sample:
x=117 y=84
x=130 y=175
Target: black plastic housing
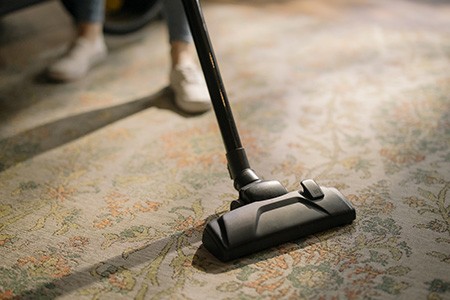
x=264 y=224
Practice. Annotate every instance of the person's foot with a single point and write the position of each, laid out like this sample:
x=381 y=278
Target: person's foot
x=189 y=86
x=79 y=59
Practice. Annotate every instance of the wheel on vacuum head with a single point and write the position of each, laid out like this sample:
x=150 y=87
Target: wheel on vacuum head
x=126 y=16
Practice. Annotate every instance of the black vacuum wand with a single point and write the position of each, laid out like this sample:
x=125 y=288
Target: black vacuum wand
x=265 y=214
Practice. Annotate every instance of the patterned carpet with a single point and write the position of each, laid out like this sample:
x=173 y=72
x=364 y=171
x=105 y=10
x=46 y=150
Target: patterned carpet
x=105 y=187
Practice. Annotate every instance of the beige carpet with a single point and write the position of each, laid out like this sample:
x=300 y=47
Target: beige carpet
x=105 y=186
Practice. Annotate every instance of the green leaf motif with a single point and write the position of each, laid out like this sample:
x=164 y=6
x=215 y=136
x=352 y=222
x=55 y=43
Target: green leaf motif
x=391 y=286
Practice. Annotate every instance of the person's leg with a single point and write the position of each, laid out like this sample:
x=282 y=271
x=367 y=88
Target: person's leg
x=88 y=47
x=186 y=79
x=179 y=34
x=88 y=16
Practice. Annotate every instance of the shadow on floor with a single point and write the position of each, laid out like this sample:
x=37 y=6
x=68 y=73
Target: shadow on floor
x=27 y=144
x=152 y=255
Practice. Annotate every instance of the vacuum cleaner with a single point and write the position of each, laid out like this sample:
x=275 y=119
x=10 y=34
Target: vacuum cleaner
x=265 y=214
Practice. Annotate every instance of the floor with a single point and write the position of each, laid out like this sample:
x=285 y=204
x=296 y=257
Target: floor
x=106 y=187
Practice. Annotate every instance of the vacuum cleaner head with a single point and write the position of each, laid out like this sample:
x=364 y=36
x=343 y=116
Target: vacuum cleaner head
x=267 y=223
x=265 y=215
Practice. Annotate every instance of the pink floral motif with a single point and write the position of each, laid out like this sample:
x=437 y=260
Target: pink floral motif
x=120 y=206
x=402 y=156
x=60 y=192
x=48 y=265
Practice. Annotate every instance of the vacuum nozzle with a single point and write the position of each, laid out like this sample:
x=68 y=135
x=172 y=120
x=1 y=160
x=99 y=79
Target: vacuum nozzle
x=267 y=223
x=265 y=214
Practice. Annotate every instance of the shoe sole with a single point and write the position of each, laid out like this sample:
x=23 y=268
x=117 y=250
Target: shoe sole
x=192 y=107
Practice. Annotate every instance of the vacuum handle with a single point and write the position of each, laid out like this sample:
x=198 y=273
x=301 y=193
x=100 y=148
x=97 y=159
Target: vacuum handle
x=237 y=160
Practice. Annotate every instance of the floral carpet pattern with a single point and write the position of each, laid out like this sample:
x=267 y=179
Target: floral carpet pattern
x=105 y=186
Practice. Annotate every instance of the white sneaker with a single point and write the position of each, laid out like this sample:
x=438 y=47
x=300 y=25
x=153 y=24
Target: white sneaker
x=79 y=59
x=189 y=86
